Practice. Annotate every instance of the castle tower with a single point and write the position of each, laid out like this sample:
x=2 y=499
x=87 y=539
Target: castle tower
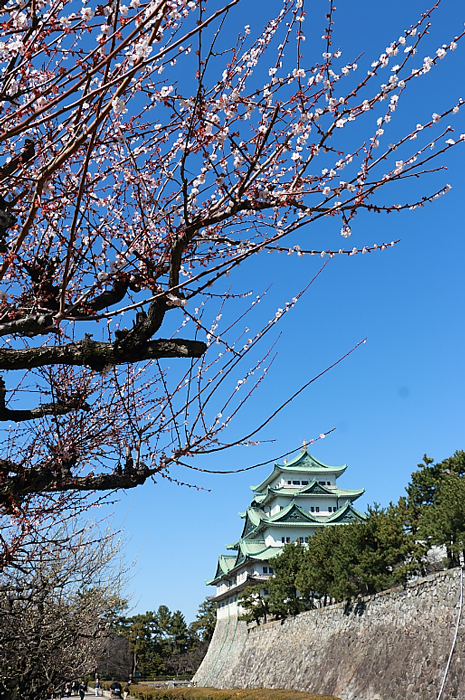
x=292 y=503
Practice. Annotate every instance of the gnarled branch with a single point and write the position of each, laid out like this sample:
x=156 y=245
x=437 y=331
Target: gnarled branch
x=17 y=482
x=29 y=325
x=97 y=355
x=58 y=408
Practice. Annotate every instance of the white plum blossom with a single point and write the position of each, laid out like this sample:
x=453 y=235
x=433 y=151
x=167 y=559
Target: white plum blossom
x=87 y=14
x=441 y=53
x=140 y=50
x=346 y=231
x=15 y=46
x=298 y=73
x=165 y=91
x=172 y=300
x=185 y=104
x=436 y=117
x=48 y=187
x=119 y=106
x=41 y=102
x=20 y=20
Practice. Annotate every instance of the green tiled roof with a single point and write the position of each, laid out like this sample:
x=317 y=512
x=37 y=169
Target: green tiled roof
x=304 y=463
x=290 y=515
x=293 y=516
x=247 y=549
x=314 y=488
x=346 y=514
x=224 y=566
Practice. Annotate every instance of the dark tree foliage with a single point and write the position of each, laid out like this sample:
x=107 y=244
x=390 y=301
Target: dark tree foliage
x=161 y=642
x=339 y=563
x=361 y=558
x=284 y=597
x=436 y=504
x=204 y=624
x=254 y=603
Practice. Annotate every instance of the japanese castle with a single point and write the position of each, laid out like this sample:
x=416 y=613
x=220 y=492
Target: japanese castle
x=292 y=503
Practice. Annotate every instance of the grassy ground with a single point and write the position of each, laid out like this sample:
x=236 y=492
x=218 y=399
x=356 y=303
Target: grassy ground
x=215 y=694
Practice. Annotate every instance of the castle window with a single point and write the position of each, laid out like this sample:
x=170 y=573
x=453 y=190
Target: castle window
x=289 y=482
x=317 y=508
x=330 y=510
x=322 y=482
x=312 y=509
x=288 y=539
x=296 y=483
x=304 y=483
x=270 y=570
x=265 y=569
x=328 y=483
x=283 y=540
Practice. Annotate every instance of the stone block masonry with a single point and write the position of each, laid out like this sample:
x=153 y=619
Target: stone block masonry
x=392 y=646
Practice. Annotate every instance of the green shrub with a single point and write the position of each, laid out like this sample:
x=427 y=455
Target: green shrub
x=147 y=693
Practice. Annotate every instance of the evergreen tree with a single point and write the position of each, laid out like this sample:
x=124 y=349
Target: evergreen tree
x=383 y=553
x=178 y=633
x=201 y=630
x=254 y=602
x=284 y=596
x=316 y=578
x=345 y=561
x=443 y=522
x=435 y=504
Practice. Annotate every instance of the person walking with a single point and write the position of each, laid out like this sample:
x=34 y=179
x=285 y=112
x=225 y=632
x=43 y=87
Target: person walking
x=115 y=690
x=97 y=687
x=82 y=689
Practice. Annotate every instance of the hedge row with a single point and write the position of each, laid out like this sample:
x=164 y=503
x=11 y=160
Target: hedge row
x=147 y=693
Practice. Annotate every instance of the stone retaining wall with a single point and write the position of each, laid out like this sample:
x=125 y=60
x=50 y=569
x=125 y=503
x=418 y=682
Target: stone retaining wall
x=392 y=646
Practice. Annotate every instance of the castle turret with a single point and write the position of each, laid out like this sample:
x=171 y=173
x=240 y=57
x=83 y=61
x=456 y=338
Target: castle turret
x=291 y=504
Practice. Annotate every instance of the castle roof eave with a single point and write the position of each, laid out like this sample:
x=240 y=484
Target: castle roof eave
x=271 y=493
x=304 y=462
x=346 y=514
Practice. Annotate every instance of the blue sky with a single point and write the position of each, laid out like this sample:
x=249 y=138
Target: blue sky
x=396 y=397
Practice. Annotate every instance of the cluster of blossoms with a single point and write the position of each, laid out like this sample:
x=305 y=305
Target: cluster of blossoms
x=144 y=159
